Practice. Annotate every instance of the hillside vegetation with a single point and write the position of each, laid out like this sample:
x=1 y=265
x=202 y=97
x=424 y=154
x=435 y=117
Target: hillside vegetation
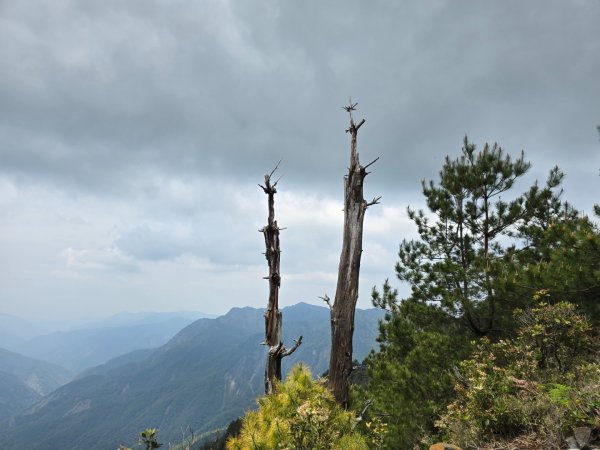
x=470 y=356
x=204 y=377
x=496 y=347
x=24 y=381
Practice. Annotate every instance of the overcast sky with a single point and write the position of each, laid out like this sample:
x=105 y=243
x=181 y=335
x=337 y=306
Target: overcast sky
x=133 y=135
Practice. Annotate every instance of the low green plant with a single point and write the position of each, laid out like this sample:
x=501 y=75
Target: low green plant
x=149 y=439
x=301 y=414
x=543 y=382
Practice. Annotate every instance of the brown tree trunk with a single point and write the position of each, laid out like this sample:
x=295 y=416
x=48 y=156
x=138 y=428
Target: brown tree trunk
x=273 y=319
x=346 y=295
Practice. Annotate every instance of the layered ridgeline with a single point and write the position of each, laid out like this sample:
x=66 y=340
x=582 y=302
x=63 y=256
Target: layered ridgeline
x=97 y=342
x=24 y=381
x=15 y=331
x=207 y=375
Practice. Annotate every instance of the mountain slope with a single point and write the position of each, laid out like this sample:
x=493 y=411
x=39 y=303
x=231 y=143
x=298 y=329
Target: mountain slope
x=208 y=374
x=122 y=360
x=15 y=395
x=23 y=381
x=41 y=376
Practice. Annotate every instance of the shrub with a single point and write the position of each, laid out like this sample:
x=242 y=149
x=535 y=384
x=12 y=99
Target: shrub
x=542 y=383
x=300 y=414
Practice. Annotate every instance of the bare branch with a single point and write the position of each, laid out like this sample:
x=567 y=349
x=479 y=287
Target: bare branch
x=360 y=124
x=275 y=350
x=351 y=106
x=375 y=201
x=371 y=163
x=288 y=352
x=459 y=376
x=268 y=187
x=367 y=405
x=361 y=415
x=327 y=300
x=273 y=171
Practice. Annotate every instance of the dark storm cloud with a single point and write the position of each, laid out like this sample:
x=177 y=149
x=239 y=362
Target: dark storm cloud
x=133 y=134
x=95 y=94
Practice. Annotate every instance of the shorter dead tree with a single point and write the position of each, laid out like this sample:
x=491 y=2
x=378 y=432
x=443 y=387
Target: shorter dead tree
x=273 y=319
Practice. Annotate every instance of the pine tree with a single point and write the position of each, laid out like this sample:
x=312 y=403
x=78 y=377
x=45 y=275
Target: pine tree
x=454 y=263
x=472 y=233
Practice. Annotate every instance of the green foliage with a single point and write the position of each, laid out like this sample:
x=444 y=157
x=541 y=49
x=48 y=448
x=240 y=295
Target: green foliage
x=219 y=442
x=301 y=414
x=454 y=262
x=542 y=382
x=562 y=257
x=149 y=439
x=482 y=252
x=182 y=384
x=410 y=380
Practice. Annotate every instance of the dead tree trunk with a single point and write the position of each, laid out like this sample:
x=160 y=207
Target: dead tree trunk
x=273 y=320
x=346 y=294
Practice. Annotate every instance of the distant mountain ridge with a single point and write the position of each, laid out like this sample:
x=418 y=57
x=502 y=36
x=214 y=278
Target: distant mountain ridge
x=14 y=331
x=24 y=381
x=127 y=318
x=205 y=376
x=97 y=342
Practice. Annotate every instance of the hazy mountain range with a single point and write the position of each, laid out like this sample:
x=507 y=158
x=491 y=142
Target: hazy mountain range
x=205 y=376
x=91 y=343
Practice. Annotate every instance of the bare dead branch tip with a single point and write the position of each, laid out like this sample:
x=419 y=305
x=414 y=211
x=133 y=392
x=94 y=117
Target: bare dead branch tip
x=371 y=163
x=327 y=300
x=269 y=188
x=375 y=201
x=360 y=124
x=350 y=107
x=361 y=415
x=273 y=171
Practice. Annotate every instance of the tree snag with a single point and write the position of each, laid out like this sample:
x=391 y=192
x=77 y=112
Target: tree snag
x=346 y=294
x=273 y=320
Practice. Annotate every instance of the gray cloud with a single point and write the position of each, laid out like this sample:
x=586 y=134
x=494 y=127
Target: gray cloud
x=167 y=114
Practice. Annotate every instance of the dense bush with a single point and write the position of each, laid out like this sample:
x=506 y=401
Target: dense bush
x=301 y=414
x=541 y=383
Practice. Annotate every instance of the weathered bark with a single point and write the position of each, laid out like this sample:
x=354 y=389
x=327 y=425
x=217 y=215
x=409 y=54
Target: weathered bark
x=273 y=319
x=346 y=295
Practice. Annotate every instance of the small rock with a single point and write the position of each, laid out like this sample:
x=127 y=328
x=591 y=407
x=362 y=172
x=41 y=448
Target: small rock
x=571 y=443
x=582 y=435
x=444 y=446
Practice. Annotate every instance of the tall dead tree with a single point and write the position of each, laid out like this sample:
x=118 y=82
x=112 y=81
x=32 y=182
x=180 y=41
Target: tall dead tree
x=346 y=294
x=273 y=319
